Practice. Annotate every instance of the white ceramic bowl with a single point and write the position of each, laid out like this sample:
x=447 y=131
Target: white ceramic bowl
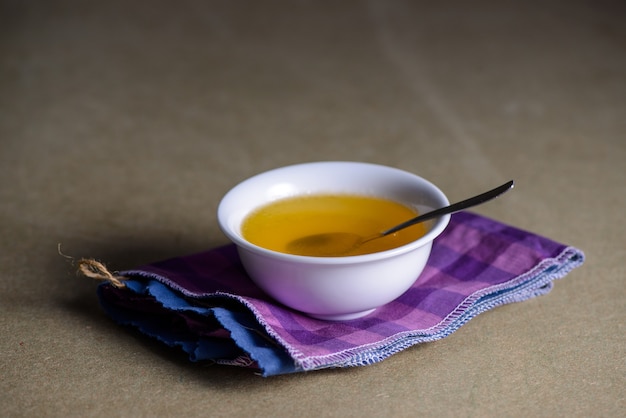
x=333 y=288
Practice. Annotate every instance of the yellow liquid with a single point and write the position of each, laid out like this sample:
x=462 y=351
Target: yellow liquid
x=277 y=224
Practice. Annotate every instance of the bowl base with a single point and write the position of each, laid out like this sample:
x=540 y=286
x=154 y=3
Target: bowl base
x=342 y=317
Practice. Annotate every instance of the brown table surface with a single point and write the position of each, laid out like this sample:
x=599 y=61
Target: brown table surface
x=123 y=123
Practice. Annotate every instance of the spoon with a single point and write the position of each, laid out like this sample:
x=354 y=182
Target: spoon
x=340 y=243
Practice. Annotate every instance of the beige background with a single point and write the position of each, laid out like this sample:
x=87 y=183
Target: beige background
x=123 y=123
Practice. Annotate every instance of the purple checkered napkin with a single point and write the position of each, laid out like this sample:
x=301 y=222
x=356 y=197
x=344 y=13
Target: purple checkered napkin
x=207 y=306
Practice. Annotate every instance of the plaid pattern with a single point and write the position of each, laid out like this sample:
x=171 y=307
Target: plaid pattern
x=205 y=303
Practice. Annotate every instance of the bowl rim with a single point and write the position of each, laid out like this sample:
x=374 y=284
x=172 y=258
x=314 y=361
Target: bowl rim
x=437 y=228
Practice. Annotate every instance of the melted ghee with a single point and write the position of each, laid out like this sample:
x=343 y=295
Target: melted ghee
x=275 y=225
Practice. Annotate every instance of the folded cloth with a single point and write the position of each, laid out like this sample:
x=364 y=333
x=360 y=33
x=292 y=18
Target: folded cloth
x=206 y=304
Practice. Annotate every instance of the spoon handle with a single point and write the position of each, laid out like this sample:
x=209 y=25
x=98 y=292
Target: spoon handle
x=464 y=204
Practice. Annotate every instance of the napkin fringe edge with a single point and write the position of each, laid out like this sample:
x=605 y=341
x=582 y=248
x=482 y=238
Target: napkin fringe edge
x=521 y=287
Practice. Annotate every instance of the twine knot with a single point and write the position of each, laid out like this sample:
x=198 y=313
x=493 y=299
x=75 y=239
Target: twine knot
x=98 y=271
x=94 y=269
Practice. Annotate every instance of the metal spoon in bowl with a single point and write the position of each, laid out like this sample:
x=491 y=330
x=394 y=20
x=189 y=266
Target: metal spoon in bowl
x=340 y=243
